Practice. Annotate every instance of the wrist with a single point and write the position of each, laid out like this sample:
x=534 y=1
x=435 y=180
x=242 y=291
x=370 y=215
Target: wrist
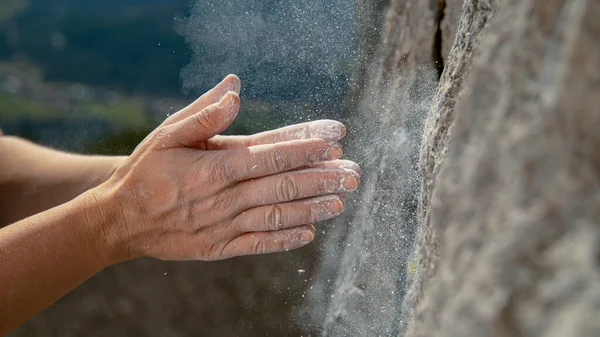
x=106 y=167
x=103 y=219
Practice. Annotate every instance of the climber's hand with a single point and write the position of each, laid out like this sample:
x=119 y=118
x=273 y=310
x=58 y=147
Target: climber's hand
x=186 y=193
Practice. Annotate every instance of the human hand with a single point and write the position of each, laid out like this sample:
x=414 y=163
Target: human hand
x=187 y=194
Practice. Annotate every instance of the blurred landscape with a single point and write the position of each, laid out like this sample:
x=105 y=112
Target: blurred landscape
x=82 y=76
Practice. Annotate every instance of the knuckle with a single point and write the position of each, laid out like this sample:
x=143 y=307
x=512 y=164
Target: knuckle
x=215 y=252
x=322 y=186
x=155 y=137
x=258 y=246
x=221 y=171
x=277 y=161
x=158 y=133
x=204 y=119
x=286 y=189
x=274 y=218
x=222 y=202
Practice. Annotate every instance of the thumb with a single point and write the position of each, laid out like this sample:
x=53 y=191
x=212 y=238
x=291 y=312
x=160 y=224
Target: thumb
x=230 y=83
x=199 y=127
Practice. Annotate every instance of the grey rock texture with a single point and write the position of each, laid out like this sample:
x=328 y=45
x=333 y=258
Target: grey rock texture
x=508 y=210
x=516 y=206
x=476 y=16
x=361 y=281
x=449 y=19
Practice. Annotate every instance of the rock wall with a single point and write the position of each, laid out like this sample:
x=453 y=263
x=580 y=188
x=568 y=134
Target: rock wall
x=516 y=209
x=360 y=285
x=476 y=16
x=503 y=199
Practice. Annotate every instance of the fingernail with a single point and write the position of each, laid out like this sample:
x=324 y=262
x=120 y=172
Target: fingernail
x=298 y=238
x=334 y=152
x=351 y=183
x=336 y=207
x=307 y=237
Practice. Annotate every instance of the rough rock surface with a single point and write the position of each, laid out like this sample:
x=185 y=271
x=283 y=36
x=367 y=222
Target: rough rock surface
x=516 y=208
x=361 y=282
x=509 y=171
x=476 y=16
x=449 y=18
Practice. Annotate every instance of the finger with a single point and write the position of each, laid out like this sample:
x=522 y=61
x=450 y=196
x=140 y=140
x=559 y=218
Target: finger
x=288 y=215
x=294 y=185
x=334 y=164
x=230 y=83
x=264 y=160
x=196 y=129
x=270 y=242
x=325 y=129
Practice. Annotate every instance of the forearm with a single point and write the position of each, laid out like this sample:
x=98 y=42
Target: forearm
x=45 y=256
x=34 y=179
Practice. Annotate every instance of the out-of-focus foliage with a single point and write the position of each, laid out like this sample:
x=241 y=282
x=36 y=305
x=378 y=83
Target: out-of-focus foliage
x=127 y=45
x=121 y=144
x=10 y=8
x=13 y=107
x=127 y=112
x=109 y=66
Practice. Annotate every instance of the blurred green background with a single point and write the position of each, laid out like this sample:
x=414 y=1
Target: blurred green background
x=96 y=76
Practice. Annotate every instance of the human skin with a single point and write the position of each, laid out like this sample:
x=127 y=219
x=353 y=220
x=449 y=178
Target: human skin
x=183 y=194
x=34 y=178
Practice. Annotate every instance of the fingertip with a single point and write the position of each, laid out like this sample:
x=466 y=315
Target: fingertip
x=340 y=164
x=337 y=207
x=343 y=130
x=356 y=168
x=350 y=165
x=233 y=83
x=229 y=98
x=335 y=151
x=308 y=234
x=235 y=96
x=352 y=181
x=298 y=237
x=327 y=129
x=231 y=103
x=232 y=77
